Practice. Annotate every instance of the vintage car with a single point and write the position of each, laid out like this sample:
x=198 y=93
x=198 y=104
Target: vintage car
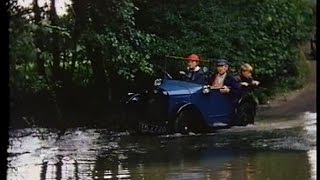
x=176 y=106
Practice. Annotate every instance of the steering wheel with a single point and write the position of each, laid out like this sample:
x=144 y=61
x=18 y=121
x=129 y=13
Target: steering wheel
x=167 y=75
x=163 y=71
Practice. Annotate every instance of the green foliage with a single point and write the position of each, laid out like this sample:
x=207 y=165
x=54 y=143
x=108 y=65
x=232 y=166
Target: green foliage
x=124 y=48
x=119 y=40
x=22 y=55
x=263 y=33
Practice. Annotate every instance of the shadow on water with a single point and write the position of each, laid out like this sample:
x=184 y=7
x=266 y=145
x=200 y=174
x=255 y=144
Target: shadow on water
x=257 y=152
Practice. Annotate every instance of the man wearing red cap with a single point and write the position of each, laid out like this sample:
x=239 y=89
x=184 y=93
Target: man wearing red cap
x=194 y=72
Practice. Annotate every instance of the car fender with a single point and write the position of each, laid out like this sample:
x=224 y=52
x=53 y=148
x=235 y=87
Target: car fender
x=253 y=98
x=189 y=106
x=133 y=98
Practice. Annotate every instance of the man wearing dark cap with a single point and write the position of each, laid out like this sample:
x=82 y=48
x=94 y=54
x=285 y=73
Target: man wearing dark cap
x=194 y=73
x=222 y=80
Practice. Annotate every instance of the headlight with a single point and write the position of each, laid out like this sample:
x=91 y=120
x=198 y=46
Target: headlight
x=157 y=82
x=156 y=91
x=206 y=89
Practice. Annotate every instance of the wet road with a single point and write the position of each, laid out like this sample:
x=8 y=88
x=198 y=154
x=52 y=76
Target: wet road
x=299 y=101
x=284 y=149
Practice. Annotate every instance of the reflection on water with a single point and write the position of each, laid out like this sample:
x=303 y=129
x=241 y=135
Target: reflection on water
x=311 y=136
x=312 y=155
x=238 y=153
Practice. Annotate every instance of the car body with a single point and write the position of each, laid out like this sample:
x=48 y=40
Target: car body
x=178 y=106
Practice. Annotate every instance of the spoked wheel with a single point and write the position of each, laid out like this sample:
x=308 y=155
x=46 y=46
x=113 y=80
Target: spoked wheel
x=246 y=112
x=132 y=120
x=182 y=123
x=188 y=121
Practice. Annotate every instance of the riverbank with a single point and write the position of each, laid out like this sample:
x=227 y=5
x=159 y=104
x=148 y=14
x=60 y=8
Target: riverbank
x=293 y=102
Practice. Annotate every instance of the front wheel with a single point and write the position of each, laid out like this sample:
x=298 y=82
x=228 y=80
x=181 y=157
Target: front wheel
x=189 y=121
x=182 y=123
x=132 y=119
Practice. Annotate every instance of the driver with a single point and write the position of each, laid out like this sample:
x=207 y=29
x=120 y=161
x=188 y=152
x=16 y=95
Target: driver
x=194 y=73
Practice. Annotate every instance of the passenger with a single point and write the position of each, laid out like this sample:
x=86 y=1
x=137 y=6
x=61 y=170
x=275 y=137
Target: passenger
x=245 y=78
x=194 y=73
x=223 y=81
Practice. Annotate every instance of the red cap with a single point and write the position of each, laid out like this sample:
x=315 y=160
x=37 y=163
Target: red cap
x=193 y=57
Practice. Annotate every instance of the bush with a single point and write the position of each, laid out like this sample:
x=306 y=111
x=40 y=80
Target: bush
x=264 y=33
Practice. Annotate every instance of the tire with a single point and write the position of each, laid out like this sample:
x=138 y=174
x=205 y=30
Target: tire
x=132 y=120
x=188 y=121
x=182 y=123
x=246 y=112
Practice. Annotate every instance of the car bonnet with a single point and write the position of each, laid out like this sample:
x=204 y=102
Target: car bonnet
x=175 y=87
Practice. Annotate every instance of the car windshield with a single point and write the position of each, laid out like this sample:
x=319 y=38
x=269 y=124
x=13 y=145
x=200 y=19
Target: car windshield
x=166 y=72
x=172 y=70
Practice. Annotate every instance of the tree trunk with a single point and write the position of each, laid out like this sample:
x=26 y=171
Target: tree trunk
x=96 y=59
x=95 y=52
x=78 y=14
x=99 y=98
x=55 y=44
x=38 y=41
x=55 y=50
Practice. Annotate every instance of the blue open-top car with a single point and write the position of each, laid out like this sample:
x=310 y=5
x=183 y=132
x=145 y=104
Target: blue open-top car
x=172 y=106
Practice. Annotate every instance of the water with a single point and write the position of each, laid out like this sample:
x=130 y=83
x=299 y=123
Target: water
x=266 y=150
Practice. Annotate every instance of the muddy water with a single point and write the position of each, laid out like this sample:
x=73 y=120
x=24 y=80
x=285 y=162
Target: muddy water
x=267 y=150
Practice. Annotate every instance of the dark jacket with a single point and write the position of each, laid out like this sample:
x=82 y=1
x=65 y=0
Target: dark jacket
x=245 y=89
x=199 y=77
x=230 y=82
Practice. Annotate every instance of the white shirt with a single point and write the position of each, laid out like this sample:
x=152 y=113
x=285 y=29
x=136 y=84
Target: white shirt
x=218 y=82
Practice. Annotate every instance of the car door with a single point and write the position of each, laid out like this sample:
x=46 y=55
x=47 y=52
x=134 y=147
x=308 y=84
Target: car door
x=215 y=106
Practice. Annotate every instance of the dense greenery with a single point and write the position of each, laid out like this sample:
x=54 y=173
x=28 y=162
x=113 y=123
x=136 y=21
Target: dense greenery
x=265 y=34
x=81 y=62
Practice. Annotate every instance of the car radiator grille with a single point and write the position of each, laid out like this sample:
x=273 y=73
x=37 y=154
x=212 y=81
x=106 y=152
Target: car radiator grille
x=154 y=109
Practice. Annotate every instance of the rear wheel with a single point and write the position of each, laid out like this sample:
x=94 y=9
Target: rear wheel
x=246 y=112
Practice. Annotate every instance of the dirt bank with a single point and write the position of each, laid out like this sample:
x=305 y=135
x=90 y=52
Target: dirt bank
x=293 y=103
